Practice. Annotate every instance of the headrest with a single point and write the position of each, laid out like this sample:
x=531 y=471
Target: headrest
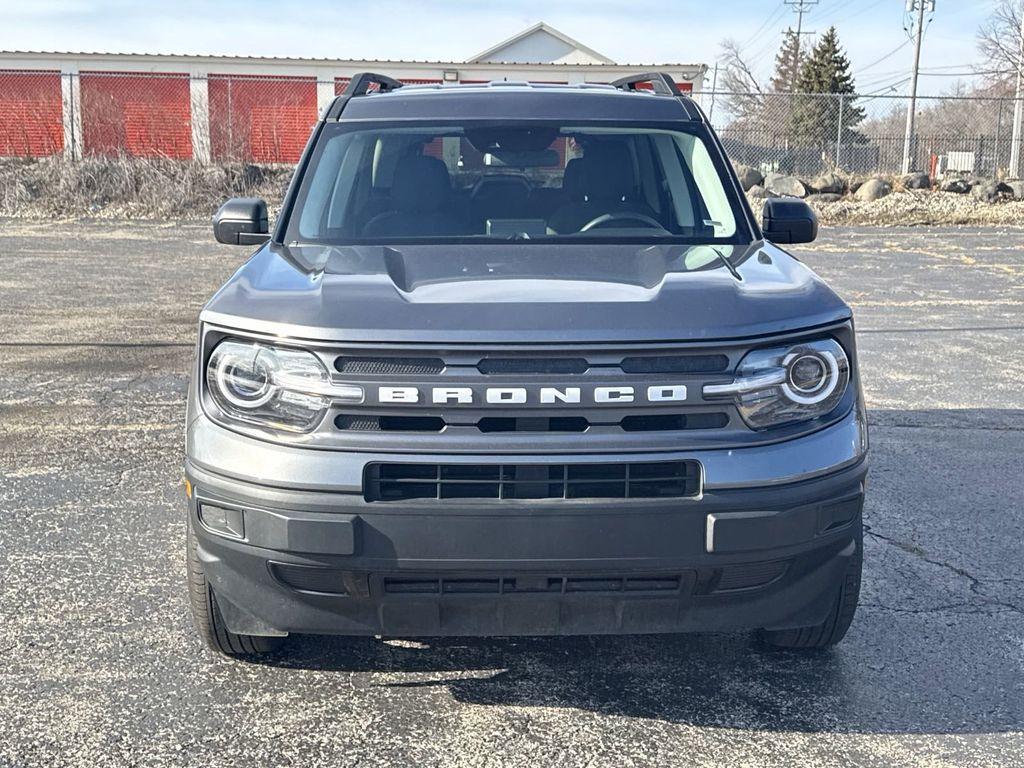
x=420 y=183
x=572 y=179
x=608 y=172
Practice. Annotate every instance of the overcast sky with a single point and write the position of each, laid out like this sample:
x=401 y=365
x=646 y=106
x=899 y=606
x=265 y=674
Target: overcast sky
x=640 y=31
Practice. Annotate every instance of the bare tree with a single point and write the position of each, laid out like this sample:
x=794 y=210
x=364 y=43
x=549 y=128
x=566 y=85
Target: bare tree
x=999 y=45
x=745 y=93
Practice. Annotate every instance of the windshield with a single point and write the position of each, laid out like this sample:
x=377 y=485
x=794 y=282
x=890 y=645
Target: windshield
x=393 y=183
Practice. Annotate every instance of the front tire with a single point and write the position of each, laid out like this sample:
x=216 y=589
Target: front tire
x=207 y=615
x=834 y=628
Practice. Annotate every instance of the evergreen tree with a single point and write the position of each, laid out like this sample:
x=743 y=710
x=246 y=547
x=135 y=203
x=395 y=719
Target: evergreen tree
x=788 y=63
x=815 y=119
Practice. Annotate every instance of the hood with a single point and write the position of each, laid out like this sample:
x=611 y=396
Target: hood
x=523 y=293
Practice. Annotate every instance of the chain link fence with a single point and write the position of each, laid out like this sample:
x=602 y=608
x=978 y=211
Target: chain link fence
x=266 y=120
x=809 y=134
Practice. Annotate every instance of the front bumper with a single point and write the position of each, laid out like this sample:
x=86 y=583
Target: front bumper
x=755 y=551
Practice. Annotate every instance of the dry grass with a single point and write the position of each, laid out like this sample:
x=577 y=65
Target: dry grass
x=919 y=208
x=129 y=187
x=140 y=188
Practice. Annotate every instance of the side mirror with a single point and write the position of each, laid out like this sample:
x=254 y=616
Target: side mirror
x=787 y=220
x=241 y=221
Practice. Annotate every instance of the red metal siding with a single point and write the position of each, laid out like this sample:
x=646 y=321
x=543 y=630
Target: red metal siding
x=260 y=119
x=136 y=113
x=31 y=123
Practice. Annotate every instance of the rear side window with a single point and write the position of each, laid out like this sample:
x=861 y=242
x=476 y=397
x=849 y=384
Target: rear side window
x=537 y=181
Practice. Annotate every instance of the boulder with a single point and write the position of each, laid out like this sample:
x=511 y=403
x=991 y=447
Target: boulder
x=855 y=183
x=757 y=192
x=917 y=180
x=873 y=189
x=993 y=191
x=829 y=184
x=957 y=186
x=1018 y=189
x=824 y=197
x=749 y=177
x=785 y=186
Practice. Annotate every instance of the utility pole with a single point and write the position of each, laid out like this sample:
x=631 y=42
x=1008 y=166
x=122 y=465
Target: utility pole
x=920 y=6
x=800 y=7
x=1018 y=106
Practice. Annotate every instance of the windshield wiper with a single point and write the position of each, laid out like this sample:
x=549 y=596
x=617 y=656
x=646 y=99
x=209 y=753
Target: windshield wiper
x=728 y=264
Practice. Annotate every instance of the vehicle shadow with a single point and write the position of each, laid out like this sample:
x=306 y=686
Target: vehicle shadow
x=720 y=681
x=935 y=647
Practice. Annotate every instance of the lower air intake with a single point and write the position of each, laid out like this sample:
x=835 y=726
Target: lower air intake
x=509 y=482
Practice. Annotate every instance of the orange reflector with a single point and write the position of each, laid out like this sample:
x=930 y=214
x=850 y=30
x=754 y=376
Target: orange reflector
x=188 y=488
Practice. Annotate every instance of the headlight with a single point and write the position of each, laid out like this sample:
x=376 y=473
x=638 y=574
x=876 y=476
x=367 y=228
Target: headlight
x=274 y=387
x=783 y=385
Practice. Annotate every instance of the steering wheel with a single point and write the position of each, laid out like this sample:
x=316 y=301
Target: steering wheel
x=605 y=218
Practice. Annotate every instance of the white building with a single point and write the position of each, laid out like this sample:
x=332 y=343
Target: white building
x=175 y=105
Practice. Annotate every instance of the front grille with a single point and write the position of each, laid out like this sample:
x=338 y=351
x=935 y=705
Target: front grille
x=676 y=364
x=667 y=423
x=549 y=365
x=388 y=366
x=507 y=482
x=440 y=398
x=533 y=424
x=657 y=422
x=368 y=423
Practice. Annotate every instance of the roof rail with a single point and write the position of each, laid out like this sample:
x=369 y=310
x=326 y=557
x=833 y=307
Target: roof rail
x=361 y=82
x=662 y=83
x=359 y=85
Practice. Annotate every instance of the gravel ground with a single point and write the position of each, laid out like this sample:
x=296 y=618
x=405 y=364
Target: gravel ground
x=100 y=666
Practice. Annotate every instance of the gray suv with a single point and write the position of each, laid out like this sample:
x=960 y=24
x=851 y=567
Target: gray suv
x=517 y=359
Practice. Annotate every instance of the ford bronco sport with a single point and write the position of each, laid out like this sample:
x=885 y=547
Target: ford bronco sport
x=517 y=359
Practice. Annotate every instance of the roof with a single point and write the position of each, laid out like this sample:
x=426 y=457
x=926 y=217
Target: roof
x=226 y=57
x=493 y=54
x=513 y=100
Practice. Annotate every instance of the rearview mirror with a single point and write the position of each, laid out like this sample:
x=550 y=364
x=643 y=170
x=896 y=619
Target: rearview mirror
x=788 y=220
x=241 y=221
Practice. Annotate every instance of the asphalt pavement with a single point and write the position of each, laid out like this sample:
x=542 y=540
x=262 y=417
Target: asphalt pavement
x=100 y=666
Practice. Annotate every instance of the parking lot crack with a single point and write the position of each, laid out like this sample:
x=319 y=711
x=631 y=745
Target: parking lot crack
x=975 y=584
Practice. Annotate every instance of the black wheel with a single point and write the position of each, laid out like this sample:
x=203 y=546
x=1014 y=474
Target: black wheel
x=207 y=615
x=834 y=628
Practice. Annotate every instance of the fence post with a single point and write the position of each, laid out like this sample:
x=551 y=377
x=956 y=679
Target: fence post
x=71 y=111
x=199 y=99
x=324 y=93
x=839 y=133
x=1018 y=121
x=999 y=137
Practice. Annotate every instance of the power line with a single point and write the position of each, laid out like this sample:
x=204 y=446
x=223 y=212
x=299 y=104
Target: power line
x=890 y=54
x=772 y=18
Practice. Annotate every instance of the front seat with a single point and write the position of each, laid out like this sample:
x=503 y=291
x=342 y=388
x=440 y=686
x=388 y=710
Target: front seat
x=421 y=202
x=602 y=183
